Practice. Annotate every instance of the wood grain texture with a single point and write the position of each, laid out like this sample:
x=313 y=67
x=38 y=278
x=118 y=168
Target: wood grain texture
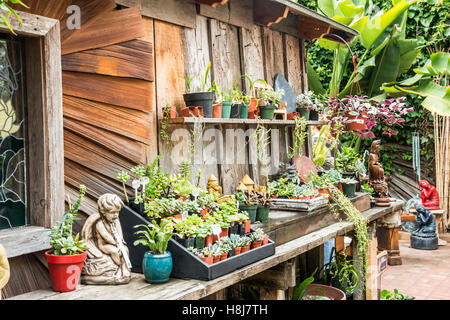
x=178 y=12
x=129 y=123
x=25 y=240
x=131 y=93
x=238 y=13
x=55 y=9
x=252 y=54
x=130 y=59
x=104 y=30
x=293 y=63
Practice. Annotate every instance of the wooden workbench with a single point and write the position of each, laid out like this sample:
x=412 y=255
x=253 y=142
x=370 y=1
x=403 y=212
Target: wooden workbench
x=138 y=289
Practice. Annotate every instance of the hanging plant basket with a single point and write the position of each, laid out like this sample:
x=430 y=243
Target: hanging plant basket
x=356 y=123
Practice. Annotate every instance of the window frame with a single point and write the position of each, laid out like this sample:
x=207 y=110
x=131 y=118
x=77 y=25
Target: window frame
x=45 y=142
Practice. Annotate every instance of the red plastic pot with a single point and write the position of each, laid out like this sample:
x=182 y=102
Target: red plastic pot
x=65 y=271
x=207 y=260
x=237 y=251
x=172 y=112
x=356 y=123
x=224 y=232
x=253 y=106
x=292 y=115
x=256 y=244
x=247 y=226
x=216 y=259
x=208 y=240
x=245 y=248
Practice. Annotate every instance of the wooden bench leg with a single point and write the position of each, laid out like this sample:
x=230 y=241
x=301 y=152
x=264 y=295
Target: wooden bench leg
x=388 y=240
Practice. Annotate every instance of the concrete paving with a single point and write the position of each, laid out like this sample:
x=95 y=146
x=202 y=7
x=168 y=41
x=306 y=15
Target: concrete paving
x=424 y=274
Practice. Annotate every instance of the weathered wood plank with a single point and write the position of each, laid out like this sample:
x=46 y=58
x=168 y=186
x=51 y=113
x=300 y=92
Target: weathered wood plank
x=238 y=13
x=130 y=123
x=54 y=9
x=252 y=54
x=270 y=13
x=131 y=59
x=24 y=240
x=107 y=29
x=226 y=66
x=178 y=12
x=293 y=63
x=132 y=150
x=130 y=93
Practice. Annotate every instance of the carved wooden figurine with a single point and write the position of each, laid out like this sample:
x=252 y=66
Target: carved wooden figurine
x=4 y=269
x=429 y=195
x=108 y=258
x=376 y=176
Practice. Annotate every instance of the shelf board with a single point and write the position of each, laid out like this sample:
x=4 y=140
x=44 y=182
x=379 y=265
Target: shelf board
x=191 y=120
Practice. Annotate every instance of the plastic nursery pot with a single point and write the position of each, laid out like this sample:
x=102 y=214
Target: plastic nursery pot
x=349 y=189
x=237 y=251
x=266 y=112
x=224 y=232
x=186 y=242
x=226 y=109
x=203 y=99
x=304 y=113
x=235 y=111
x=253 y=106
x=199 y=243
x=251 y=210
x=256 y=244
x=65 y=271
x=223 y=256
x=216 y=259
x=253 y=114
x=207 y=260
x=292 y=115
x=245 y=248
x=262 y=213
x=157 y=267
x=314 y=115
x=217 y=110
x=234 y=229
x=265 y=240
x=208 y=240
x=172 y=111
x=244 y=111
x=247 y=226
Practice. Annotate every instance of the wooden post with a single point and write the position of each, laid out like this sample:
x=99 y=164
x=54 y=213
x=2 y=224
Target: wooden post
x=387 y=234
x=372 y=268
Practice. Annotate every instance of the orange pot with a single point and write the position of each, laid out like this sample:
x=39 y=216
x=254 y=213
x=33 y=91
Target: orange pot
x=256 y=244
x=266 y=240
x=253 y=114
x=224 y=232
x=247 y=226
x=217 y=110
x=216 y=259
x=237 y=251
x=209 y=240
x=172 y=112
x=245 y=248
x=356 y=123
x=324 y=191
x=208 y=260
x=253 y=106
x=292 y=115
x=224 y=256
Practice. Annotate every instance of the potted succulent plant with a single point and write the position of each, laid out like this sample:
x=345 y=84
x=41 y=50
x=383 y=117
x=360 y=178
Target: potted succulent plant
x=245 y=244
x=304 y=103
x=157 y=262
x=227 y=101
x=252 y=97
x=248 y=203
x=235 y=242
x=262 y=212
x=346 y=162
x=349 y=187
x=257 y=238
x=206 y=255
x=68 y=252
x=204 y=98
x=269 y=101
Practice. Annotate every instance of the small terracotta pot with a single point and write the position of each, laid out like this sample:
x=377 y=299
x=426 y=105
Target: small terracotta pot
x=217 y=110
x=324 y=191
x=253 y=114
x=265 y=240
x=247 y=226
x=224 y=256
x=245 y=248
x=253 y=106
x=208 y=260
x=256 y=244
x=172 y=112
x=292 y=115
x=191 y=111
x=224 y=232
x=237 y=251
x=216 y=259
x=208 y=240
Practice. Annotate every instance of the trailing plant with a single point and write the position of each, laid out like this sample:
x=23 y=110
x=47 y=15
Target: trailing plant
x=261 y=139
x=62 y=241
x=163 y=134
x=155 y=236
x=360 y=225
x=298 y=138
x=396 y=295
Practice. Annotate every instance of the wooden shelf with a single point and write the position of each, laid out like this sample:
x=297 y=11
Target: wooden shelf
x=191 y=120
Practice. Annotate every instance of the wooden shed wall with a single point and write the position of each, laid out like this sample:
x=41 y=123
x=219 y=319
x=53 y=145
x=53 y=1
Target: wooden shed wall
x=121 y=69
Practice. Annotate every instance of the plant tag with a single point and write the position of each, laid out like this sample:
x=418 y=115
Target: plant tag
x=135 y=184
x=216 y=229
x=184 y=215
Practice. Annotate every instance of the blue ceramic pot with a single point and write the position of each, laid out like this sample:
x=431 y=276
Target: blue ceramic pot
x=157 y=267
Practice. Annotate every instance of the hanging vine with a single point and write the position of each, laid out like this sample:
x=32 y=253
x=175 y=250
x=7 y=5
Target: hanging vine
x=298 y=138
x=262 y=141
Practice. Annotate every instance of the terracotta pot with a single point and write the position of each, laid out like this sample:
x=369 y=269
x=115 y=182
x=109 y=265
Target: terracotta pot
x=247 y=226
x=356 y=123
x=324 y=191
x=204 y=212
x=237 y=251
x=216 y=259
x=208 y=240
x=207 y=260
x=253 y=106
x=253 y=114
x=224 y=256
x=184 y=112
x=325 y=291
x=184 y=198
x=217 y=110
x=292 y=115
x=172 y=112
x=224 y=232
x=265 y=240
x=245 y=248
x=191 y=111
x=256 y=244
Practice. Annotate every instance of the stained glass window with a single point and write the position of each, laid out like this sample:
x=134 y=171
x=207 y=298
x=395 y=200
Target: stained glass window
x=13 y=202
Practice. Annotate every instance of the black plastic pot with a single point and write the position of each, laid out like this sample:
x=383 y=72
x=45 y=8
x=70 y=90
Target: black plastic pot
x=234 y=229
x=232 y=253
x=241 y=229
x=251 y=210
x=200 y=99
x=185 y=242
x=199 y=243
x=262 y=214
x=235 y=111
x=349 y=189
x=314 y=115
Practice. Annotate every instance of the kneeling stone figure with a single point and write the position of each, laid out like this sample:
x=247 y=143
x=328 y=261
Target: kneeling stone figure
x=108 y=258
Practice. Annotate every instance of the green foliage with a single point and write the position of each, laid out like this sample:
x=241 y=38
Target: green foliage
x=301 y=289
x=343 y=270
x=396 y=295
x=155 y=237
x=346 y=159
x=61 y=239
x=298 y=138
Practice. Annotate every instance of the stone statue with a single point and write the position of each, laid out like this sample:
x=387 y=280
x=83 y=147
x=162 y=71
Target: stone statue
x=248 y=182
x=108 y=258
x=424 y=237
x=213 y=186
x=4 y=269
x=429 y=195
x=376 y=176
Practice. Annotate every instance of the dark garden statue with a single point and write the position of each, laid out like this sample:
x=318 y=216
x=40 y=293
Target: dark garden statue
x=424 y=237
x=429 y=195
x=107 y=258
x=376 y=176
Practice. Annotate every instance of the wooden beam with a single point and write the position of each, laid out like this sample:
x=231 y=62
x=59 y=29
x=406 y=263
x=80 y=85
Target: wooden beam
x=213 y=3
x=269 y=13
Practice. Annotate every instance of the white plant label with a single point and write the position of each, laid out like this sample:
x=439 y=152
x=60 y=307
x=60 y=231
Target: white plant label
x=216 y=229
x=135 y=184
x=184 y=215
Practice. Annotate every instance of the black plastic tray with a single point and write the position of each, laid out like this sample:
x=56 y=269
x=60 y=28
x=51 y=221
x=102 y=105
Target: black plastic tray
x=186 y=264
